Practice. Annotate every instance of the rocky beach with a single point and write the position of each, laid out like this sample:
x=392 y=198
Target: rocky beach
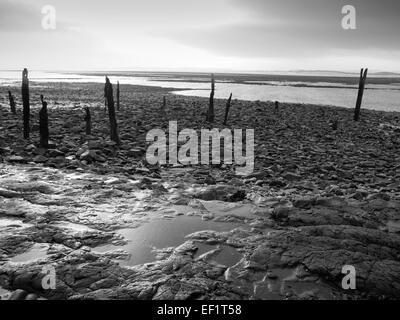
x=325 y=193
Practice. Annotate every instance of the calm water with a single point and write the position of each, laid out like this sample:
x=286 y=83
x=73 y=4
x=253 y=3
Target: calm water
x=160 y=234
x=382 y=93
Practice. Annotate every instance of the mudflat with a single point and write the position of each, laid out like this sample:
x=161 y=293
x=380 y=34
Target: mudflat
x=324 y=194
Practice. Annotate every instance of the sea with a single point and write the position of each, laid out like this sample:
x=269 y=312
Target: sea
x=331 y=88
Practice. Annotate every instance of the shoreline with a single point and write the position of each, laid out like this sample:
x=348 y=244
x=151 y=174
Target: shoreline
x=168 y=91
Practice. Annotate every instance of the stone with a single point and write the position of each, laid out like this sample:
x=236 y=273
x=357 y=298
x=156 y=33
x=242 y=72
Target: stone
x=16 y=159
x=55 y=153
x=40 y=159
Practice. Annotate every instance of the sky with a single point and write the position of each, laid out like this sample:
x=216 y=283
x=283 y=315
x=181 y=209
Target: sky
x=206 y=35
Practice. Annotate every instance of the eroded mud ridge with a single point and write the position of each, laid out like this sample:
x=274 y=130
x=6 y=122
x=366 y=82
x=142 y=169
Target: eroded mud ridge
x=114 y=227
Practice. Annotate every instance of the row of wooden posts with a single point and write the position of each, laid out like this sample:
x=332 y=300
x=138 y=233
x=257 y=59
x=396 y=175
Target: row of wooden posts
x=109 y=101
x=43 y=115
x=210 y=113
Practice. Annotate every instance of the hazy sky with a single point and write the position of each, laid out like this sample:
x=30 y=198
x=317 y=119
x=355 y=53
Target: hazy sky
x=200 y=35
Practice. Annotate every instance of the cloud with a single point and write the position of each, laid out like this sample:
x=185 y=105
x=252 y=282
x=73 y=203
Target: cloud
x=18 y=16
x=23 y=17
x=292 y=28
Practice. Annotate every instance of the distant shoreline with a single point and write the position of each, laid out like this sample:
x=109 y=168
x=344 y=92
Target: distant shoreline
x=382 y=94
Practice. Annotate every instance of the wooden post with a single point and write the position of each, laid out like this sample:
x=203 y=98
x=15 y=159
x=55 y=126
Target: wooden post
x=210 y=113
x=164 y=104
x=25 y=102
x=276 y=106
x=361 y=86
x=335 y=124
x=43 y=124
x=118 y=95
x=12 y=103
x=105 y=99
x=88 y=120
x=111 y=111
x=227 y=107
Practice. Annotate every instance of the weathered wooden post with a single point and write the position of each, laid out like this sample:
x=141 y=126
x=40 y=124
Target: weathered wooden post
x=88 y=120
x=12 y=103
x=361 y=86
x=227 y=107
x=105 y=99
x=43 y=125
x=118 y=95
x=210 y=113
x=25 y=102
x=164 y=104
x=276 y=106
x=335 y=124
x=111 y=111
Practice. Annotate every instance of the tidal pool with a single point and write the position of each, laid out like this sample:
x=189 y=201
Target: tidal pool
x=224 y=255
x=160 y=234
x=36 y=252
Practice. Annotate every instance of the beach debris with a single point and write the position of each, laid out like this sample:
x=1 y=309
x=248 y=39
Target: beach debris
x=228 y=106
x=43 y=124
x=25 y=102
x=361 y=86
x=210 y=112
x=108 y=91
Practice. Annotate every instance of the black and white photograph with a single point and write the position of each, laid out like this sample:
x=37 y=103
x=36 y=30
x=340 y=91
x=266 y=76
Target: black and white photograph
x=213 y=150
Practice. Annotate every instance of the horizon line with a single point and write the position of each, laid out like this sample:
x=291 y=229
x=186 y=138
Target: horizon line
x=205 y=71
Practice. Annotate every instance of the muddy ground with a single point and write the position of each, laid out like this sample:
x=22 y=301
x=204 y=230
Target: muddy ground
x=114 y=227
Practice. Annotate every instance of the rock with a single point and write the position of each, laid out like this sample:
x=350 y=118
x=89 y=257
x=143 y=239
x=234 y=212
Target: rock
x=18 y=295
x=222 y=193
x=90 y=156
x=358 y=196
x=18 y=159
x=40 y=159
x=30 y=147
x=9 y=194
x=136 y=153
x=324 y=250
x=277 y=183
x=304 y=203
x=281 y=213
x=39 y=151
x=5 y=150
x=55 y=153
x=289 y=176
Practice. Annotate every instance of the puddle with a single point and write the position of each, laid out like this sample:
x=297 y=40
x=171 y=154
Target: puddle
x=161 y=234
x=36 y=252
x=225 y=255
